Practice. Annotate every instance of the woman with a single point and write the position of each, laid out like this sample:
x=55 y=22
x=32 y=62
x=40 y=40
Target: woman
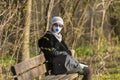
x=60 y=58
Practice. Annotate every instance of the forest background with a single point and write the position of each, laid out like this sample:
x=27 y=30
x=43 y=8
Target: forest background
x=91 y=27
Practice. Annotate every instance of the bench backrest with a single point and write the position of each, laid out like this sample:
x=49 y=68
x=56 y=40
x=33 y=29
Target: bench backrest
x=29 y=69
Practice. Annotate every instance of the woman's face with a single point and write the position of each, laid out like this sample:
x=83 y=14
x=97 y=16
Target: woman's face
x=57 y=27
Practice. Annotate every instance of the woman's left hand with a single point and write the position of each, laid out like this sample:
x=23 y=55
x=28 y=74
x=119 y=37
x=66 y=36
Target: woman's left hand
x=72 y=52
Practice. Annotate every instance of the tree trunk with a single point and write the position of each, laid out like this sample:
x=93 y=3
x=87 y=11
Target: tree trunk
x=50 y=7
x=26 y=40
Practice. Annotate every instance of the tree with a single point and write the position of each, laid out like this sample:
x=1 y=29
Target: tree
x=50 y=7
x=26 y=37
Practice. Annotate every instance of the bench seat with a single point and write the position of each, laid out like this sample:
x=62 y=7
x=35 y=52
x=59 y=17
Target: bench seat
x=61 y=77
x=34 y=67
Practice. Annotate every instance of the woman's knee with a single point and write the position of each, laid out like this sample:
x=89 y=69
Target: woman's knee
x=87 y=71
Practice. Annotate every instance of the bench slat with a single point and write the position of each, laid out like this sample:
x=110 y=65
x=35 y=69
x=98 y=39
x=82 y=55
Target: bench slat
x=70 y=76
x=29 y=75
x=54 y=77
x=57 y=77
x=48 y=77
x=28 y=64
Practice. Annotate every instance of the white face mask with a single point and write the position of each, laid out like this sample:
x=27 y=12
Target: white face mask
x=57 y=29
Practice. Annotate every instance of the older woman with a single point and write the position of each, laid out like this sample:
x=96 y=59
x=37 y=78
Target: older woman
x=60 y=58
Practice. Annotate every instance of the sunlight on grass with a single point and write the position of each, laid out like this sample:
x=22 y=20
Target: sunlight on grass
x=107 y=77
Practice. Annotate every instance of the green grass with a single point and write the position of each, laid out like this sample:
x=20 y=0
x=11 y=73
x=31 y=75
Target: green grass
x=84 y=51
x=106 y=77
x=110 y=71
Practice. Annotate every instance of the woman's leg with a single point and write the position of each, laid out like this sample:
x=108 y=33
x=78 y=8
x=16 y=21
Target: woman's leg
x=87 y=73
x=72 y=65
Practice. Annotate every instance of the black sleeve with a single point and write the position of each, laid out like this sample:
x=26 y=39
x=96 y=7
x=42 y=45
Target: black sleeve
x=56 y=52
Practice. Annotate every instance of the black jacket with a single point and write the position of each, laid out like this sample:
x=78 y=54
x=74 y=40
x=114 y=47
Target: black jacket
x=54 y=51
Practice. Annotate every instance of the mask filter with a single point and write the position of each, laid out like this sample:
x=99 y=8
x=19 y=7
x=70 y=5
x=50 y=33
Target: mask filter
x=57 y=29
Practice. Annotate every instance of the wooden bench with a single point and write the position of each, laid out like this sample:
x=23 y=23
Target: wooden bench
x=35 y=67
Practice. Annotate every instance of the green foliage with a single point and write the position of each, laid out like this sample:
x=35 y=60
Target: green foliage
x=33 y=54
x=111 y=77
x=84 y=51
x=114 y=71
x=102 y=50
x=107 y=77
x=7 y=60
x=116 y=8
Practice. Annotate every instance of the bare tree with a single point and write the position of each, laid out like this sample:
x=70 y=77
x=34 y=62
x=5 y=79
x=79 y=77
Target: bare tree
x=50 y=7
x=26 y=39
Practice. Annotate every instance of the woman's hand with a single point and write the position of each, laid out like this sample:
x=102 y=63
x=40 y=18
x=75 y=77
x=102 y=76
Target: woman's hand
x=72 y=52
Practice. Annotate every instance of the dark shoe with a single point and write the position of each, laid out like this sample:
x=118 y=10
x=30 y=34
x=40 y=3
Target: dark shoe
x=87 y=73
